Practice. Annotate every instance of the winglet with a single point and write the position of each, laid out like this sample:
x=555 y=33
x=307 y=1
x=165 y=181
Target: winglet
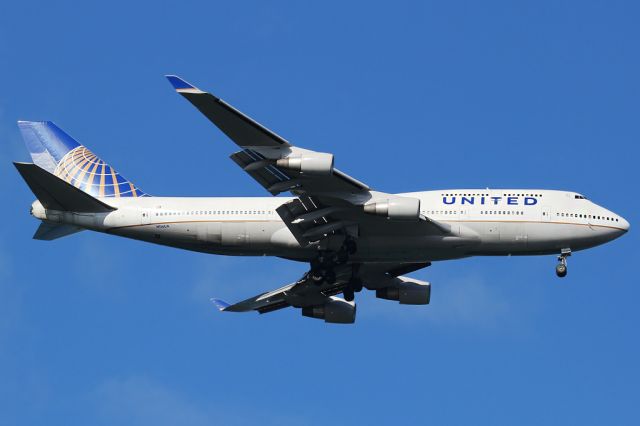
x=182 y=86
x=220 y=304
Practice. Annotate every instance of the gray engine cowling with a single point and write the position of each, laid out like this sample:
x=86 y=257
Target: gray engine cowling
x=407 y=291
x=400 y=208
x=316 y=163
x=336 y=310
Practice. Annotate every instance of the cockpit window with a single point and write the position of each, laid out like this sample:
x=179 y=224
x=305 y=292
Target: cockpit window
x=580 y=197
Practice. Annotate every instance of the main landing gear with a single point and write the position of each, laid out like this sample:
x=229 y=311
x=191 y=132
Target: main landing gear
x=561 y=267
x=353 y=286
x=323 y=268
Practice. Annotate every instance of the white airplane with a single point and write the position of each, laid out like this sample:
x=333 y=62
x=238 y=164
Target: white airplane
x=352 y=236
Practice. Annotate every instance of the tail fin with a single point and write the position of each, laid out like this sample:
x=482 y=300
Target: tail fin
x=58 y=153
x=56 y=194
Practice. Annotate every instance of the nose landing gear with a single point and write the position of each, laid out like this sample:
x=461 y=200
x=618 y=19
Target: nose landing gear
x=561 y=267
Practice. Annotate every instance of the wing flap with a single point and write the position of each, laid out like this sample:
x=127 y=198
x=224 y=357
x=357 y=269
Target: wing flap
x=310 y=221
x=263 y=171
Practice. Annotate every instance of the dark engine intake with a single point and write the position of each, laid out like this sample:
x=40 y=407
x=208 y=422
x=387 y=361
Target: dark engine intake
x=407 y=291
x=337 y=311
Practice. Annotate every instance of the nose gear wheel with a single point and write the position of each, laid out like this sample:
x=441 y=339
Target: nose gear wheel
x=561 y=267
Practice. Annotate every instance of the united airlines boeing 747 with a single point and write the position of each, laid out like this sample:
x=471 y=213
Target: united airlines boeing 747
x=352 y=236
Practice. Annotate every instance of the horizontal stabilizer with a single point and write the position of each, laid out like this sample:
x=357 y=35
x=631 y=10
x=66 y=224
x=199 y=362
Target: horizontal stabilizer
x=52 y=231
x=56 y=194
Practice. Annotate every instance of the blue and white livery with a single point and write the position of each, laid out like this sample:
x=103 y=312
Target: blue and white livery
x=352 y=236
x=58 y=153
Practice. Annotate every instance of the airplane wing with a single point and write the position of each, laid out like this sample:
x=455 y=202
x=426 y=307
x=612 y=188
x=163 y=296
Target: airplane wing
x=308 y=293
x=269 y=158
x=329 y=200
x=317 y=298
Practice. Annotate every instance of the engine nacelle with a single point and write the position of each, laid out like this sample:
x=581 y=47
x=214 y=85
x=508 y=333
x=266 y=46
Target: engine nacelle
x=336 y=310
x=407 y=291
x=400 y=208
x=313 y=163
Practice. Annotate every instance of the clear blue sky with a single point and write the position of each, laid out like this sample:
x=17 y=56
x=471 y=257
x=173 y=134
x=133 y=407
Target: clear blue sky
x=409 y=96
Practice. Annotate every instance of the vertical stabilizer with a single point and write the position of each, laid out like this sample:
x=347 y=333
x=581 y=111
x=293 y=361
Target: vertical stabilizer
x=59 y=154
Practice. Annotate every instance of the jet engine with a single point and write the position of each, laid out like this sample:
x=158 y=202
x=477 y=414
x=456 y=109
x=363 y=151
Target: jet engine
x=407 y=291
x=336 y=310
x=400 y=208
x=313 y=163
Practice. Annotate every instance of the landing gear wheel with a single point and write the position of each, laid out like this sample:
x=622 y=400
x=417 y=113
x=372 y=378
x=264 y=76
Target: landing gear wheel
x=325 y=275
x=561 y=270
x=340 y=258
x=356 y=284
x=351 y=246
x=321 y=260
x=561 y=267
x=348 y=294
x=330 y=277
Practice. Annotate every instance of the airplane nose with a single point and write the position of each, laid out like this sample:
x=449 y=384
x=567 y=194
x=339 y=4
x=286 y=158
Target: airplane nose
x=624 y=224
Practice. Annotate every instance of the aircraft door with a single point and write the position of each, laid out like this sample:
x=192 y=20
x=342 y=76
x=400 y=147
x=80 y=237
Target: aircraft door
x=145 y=217
x=545 y=214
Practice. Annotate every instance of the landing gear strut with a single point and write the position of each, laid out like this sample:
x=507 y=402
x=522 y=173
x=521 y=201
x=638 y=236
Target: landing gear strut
x=322 y=267
x=561 y=267
x=348 y=294
x=353 y=286
x=323 y=274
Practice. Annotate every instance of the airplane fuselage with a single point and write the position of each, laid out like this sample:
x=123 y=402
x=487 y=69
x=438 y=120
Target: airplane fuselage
x=479 y=221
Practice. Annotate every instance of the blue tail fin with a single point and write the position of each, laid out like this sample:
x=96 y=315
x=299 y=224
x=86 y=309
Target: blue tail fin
x=58 y=153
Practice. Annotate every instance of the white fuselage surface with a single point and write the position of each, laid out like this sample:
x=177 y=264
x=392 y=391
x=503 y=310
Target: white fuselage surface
x=480 y=222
